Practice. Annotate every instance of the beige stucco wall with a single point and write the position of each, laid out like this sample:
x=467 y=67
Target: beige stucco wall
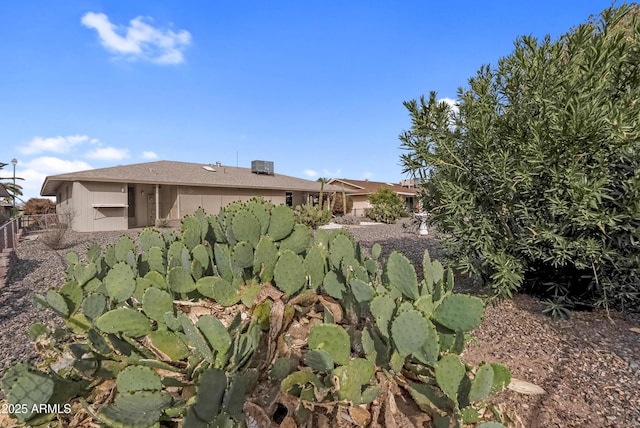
x=88 y=214
x=360 y=202
x=135 y=205
x=212 y=199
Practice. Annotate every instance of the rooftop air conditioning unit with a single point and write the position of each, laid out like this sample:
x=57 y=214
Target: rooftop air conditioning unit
x=262 y=167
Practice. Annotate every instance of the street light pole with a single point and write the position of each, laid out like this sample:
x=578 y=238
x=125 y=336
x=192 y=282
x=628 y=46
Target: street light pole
x=14 y=161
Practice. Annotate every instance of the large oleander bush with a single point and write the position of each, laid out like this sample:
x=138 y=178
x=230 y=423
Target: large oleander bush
x=534 y=174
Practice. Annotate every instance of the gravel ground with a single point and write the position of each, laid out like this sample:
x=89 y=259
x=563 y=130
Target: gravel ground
x=587 y=365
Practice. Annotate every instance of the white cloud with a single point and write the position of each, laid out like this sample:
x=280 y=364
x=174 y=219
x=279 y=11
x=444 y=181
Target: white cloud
x=331 y=174
x=52 y=144
x=367 y=175
x=50 y=165
x=455 y=109
x=108 y=153
x=149 y=155
x=36 y=170
x=139 y=40
x=453 y=103
x=325 y=173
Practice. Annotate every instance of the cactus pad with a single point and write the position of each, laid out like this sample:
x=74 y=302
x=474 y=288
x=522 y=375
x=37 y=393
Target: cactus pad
x=120 y=282
x=315 y=266
x=362 y=291
x=402 y=275
x=211 y=387
x=449 y=373
x=169 y=344
x=409 y=332
x=281 y=223
x=222 y=256
x=460 y=312
x=156 y=302
x=382 y=308
x=138 y=378
x=140 y=409
x=340 y=247
x=123 y=247
x=333 y=339
x=289 y=272
x=215 y=333
x=180 y=280
x=25 y=386
x=333 y=285
x=265 y=258
x=94 y=305
x=242 y=255
x=246 y=227
x=482 y=383
x=298 y=241
x=149 y=238
x=196 y=338
x=124 y=320
x=319 y=360
x=191 y=232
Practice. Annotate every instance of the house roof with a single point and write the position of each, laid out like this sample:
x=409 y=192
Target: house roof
x=3 y=192
x=184 y=174
x=366 y=187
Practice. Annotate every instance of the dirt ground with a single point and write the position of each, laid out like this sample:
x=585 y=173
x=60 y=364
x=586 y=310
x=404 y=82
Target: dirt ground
x=587 y=365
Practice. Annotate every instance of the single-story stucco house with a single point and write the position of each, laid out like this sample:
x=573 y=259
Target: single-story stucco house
x=138 y=195
x=359 y=191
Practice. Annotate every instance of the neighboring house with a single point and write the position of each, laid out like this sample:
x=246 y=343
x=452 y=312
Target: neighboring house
x=138 y=195
x=5 y=203
x=359 y=191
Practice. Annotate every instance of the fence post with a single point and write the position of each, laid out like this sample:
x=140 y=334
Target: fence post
x=15 y=233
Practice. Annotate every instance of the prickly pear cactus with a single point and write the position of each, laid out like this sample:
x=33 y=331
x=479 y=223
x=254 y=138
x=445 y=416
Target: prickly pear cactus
x=315 y=319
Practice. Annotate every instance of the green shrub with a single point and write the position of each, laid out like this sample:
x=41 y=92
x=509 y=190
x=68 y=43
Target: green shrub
x=534 y=177
x=387 y=206
x=385 y=213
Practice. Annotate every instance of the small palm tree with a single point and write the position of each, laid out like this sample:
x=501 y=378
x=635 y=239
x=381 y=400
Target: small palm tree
x=14 y=190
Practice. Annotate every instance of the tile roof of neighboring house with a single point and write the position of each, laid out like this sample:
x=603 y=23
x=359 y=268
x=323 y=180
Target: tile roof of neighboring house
x=366 y=187
x=3 y=192
x=184 y=174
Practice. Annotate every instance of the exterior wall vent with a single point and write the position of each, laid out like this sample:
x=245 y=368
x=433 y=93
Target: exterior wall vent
x=262 y=167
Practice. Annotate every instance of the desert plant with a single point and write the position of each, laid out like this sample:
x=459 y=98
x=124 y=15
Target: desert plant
x=386 y=206
x=385 y=213
x=55 y=228
x=54 y=236
x=321 y=197
x=347 y=219
x=533 y=176
x=337 y=204
x=163 y=223
x=139 y=324
x=312 y=216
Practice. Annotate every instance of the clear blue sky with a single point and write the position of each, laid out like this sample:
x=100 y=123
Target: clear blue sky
x=314 y=86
